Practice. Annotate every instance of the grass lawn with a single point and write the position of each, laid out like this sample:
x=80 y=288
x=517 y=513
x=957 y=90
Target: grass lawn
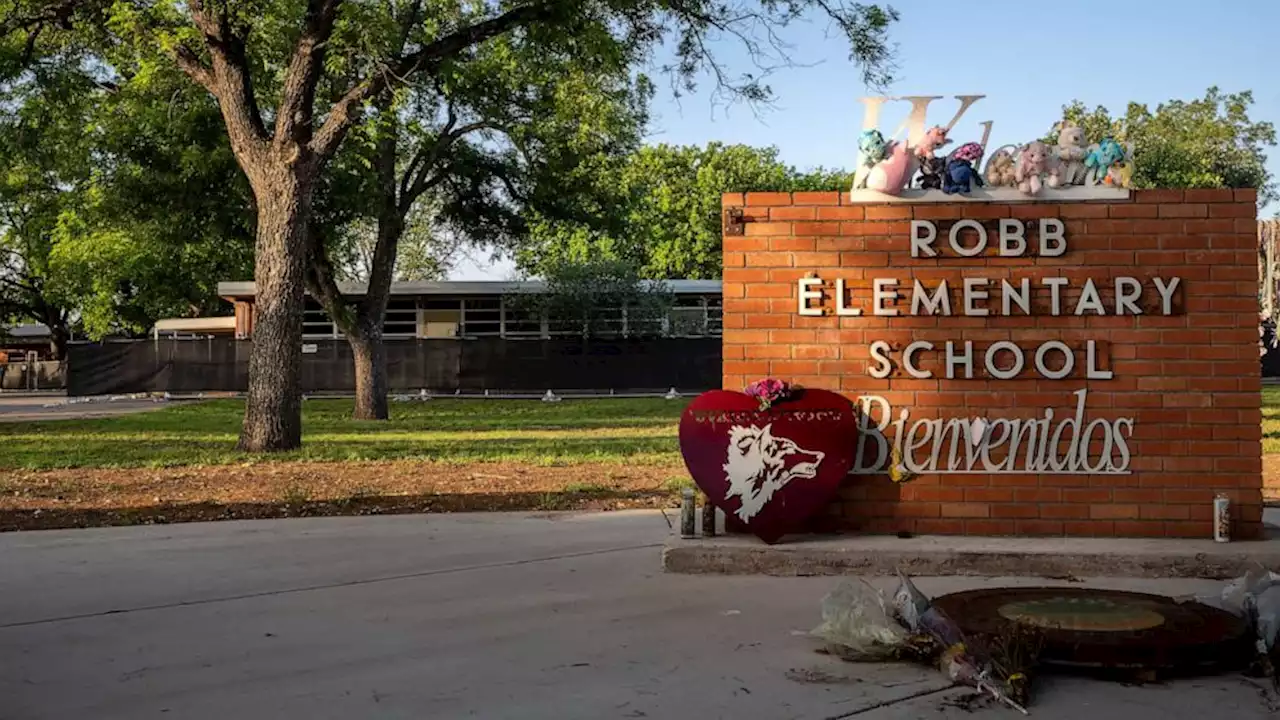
x=180 y=463
x=1271 y=420
x=632 y=431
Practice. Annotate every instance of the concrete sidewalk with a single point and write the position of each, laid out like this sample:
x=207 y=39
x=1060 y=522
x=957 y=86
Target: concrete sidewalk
x=556 y=616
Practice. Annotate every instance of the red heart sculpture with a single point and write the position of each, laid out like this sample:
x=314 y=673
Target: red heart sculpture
x=769 y=469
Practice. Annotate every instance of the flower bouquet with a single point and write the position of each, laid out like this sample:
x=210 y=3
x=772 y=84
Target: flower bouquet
x=768 y=391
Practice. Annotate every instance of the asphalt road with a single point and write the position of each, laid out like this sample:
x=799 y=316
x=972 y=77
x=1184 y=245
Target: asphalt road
x=487 y=616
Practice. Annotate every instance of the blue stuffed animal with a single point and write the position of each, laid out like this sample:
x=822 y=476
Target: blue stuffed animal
x=874 y=148
x=1101 y=158
x=961 y=176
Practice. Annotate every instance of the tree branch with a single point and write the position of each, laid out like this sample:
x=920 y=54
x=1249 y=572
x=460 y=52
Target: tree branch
x=390 y=228
x=420 y=176
x=228 y=81
x=322 y=284
x=20 y=285
x=410 y=19
x=195 y=69
x=297 y=106
x=421 y=155
x=57 y=12
x=342 y=116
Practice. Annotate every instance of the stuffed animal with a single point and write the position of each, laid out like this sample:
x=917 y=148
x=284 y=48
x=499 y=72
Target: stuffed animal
x=932 y=170
x=1120 y=175
x=1031 y=165
x=873 y=147
x=1068 y=166
x=1100 y=159
x=960 y=173
x=890 y=175
x=1000 y=171
x=935 y=138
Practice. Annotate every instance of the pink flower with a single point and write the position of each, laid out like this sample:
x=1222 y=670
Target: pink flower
x=768 y=391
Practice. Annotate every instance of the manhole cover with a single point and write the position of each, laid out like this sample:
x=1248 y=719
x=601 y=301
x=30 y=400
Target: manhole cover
x=1106 y=628
x=1082 y=614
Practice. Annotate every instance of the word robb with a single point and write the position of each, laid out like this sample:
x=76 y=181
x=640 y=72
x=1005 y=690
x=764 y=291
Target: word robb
x=971 y=441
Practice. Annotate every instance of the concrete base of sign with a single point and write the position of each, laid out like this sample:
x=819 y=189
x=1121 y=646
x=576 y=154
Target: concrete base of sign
x=1000 y=194
x=981 y=556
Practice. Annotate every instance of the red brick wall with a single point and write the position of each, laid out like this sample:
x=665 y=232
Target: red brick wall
x=1190 y=380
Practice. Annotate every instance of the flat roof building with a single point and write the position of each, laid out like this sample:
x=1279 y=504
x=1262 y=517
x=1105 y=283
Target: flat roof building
x=486 y=308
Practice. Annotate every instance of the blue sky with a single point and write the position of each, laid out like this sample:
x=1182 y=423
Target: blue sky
x=1029 y=57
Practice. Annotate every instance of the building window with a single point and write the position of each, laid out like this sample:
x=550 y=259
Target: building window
x=607 y=322
x=401 y=319
x=521 y=319
x=316 y=322
x=481 y=317
x=715 y=315
x=688 y=317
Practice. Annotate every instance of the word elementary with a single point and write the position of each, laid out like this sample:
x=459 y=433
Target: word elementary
x=974 y=293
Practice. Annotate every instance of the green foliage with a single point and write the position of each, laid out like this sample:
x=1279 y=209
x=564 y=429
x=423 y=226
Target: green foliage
x=1208 y=142
x=659 y=208
x=631 y=431
x=586 y=299
x=133 y=185
x=121 y=202
x=473 y=152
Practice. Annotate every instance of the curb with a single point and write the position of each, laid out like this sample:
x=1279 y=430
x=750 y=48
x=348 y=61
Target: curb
x=988 y=557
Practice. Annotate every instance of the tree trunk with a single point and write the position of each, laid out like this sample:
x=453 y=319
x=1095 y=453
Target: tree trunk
x=58 y=339
x=367 y=349
x=273 y=411
x=370 y=357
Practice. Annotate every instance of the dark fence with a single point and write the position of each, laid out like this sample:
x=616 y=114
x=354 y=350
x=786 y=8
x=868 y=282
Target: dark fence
x=220 y=364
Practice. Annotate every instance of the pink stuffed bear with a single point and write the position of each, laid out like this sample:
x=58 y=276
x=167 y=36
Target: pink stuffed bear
x=1031 y=165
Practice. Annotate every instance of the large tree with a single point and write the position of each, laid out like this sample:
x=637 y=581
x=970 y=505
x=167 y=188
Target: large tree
x=98 y=227
x=294 y=78
x=463 y=156
x=1207 y=142
x=659 y=208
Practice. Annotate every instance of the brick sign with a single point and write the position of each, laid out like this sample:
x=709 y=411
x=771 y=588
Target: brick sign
x=1040 y=368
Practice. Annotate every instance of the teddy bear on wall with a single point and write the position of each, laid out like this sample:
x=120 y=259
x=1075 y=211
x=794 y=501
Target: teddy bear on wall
x=1069 y=156
x=1000 y=170
x=1032 y=161
x=960 y=173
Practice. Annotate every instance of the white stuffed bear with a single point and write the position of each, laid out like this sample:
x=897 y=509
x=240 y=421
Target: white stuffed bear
x=1068 y=166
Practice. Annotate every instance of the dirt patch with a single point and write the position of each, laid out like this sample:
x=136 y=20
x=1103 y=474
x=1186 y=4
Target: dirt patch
x=32 y=500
